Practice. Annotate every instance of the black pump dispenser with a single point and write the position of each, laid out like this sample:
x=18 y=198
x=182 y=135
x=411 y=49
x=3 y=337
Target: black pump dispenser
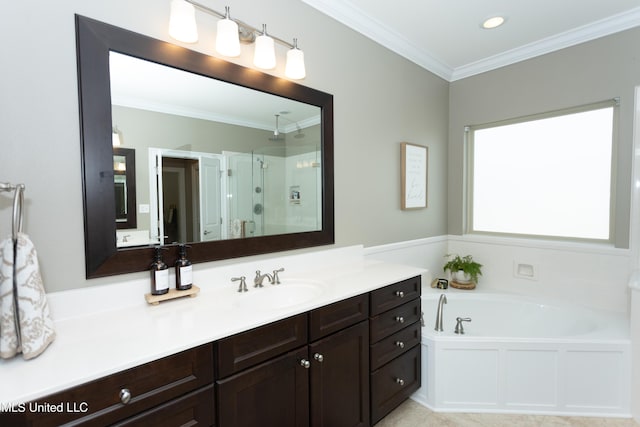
x=184 y=272
x=159 y=274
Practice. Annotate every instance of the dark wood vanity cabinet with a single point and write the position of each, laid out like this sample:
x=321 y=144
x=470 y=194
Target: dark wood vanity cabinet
x=395 y=345
x=325 y=382
x=172 y=391
x=346 y=364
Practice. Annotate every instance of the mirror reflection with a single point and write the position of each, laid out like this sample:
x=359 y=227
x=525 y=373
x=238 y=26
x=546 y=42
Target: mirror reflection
x=215 y=161
x=124 y=180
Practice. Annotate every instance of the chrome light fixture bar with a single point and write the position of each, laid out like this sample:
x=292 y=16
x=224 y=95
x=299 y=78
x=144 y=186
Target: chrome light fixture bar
x=232 y=32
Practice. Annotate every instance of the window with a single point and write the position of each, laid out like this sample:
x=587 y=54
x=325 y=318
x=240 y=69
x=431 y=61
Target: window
x=549 y=175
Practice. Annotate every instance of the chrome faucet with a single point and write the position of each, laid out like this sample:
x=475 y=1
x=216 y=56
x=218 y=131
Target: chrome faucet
x=441 y=302
x=257 y=281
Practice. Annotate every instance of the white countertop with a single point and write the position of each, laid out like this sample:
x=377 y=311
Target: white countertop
x=99 y=342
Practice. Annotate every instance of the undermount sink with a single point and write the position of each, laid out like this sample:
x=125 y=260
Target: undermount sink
x=286 y=294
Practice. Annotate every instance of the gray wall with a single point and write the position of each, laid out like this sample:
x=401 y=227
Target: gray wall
x=380 y=100
x=598 y=70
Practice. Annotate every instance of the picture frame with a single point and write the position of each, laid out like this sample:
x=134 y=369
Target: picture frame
x=414 y=163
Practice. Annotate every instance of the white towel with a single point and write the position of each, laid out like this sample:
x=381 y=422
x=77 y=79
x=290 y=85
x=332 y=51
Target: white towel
x=35 y=325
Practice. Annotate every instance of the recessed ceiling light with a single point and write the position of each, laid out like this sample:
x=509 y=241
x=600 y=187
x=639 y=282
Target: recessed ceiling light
x=493 y=22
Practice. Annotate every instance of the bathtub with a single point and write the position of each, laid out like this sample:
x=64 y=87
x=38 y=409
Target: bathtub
x=520 y=355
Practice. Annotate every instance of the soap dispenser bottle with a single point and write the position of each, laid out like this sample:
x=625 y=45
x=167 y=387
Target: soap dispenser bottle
x=184 y=270
x=159 y=274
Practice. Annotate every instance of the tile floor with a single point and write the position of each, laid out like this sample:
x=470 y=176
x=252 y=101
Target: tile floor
x=412 y=414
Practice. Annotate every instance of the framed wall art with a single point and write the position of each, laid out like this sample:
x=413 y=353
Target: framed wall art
x=414 y=166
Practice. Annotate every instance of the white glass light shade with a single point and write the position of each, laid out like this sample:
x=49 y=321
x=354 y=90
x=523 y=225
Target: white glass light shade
x=264 y=55
x=295 y=64
x=182 y=22
x=227 y=39
x=115 y=138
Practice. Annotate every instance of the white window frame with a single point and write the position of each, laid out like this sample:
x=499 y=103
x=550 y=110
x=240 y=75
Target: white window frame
x=469 y=161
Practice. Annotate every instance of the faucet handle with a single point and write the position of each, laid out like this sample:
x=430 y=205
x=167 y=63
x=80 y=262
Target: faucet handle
x=257 y=281
x=243 y=283
x=276 y=279
x=459 y=329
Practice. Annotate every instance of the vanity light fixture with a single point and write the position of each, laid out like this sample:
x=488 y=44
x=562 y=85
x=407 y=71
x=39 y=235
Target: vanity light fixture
x=264 y=55
x=295 y=63
x=182 y=22
x=232 y=32
x=493 y=22
x=227 y=40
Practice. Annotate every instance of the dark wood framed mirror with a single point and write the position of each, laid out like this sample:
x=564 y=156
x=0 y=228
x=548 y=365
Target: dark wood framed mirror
x=95 y=41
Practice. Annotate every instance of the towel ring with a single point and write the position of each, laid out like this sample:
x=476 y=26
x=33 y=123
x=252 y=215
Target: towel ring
x=18 y=204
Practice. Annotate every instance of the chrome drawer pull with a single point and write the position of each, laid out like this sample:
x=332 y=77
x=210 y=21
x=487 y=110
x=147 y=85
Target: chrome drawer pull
x=318 y=357
x=399 y=344
x=400 y=294
x=305 y=363
x=125 y=396
x=399 y=319
x=400 y=381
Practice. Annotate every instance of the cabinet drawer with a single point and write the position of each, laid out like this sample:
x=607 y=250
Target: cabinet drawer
x=334 y=317
x=150 y=385
x=394 y=382
x=193 y=409
x=394 y=345
x=257 y=345
x=394 y=295
x=394 y=320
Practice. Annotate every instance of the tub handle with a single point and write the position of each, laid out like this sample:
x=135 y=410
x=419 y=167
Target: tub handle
x=459 y=329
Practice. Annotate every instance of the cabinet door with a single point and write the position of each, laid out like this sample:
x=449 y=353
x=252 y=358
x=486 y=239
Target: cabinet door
x=340 y=378
x=274 y=393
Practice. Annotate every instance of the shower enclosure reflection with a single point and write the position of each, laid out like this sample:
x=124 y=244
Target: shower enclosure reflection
x=201 y=197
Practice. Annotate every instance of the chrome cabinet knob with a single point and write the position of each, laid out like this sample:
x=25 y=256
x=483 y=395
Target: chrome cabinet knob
x=305 y=363
x=400 y=294
x=399 y=344
x=125 y=396
x=399 y=319
x=400 y=381
x=318 y=357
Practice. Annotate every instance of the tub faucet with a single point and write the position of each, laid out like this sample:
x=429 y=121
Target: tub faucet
x=441 y=302
x=459 y=329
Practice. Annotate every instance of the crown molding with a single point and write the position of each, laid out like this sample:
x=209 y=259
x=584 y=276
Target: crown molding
x=595 y=30
x=359 y=21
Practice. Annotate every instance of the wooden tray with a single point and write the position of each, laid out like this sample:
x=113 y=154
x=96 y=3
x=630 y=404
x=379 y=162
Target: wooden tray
x=467 y=286
x=172 y=294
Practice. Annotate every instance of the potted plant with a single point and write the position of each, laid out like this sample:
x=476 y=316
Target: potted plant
x=463 y=269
